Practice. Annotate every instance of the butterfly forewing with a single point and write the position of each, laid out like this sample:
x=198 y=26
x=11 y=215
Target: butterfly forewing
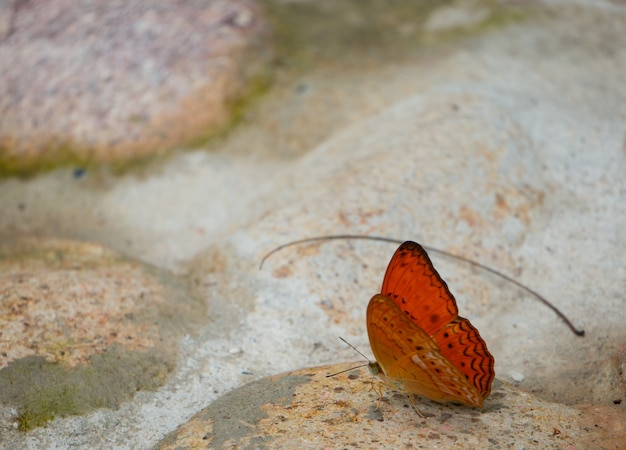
x=413 y=283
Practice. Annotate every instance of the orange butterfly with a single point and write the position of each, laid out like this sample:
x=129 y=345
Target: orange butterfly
x=421 y=345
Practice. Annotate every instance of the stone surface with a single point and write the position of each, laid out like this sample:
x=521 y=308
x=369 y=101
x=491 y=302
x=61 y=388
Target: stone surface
x=307 y=409
x=506 y=147
x=112 y=81
x=81 y=327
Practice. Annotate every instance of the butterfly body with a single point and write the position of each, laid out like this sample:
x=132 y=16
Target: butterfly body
x=421 y=345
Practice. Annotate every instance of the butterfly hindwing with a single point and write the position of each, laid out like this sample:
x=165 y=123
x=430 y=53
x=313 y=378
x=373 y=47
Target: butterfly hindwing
x=410 y=360
x=461 y=344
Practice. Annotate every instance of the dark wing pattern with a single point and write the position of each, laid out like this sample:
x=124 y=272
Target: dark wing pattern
x=413 y=283
x=410 y=360
x=416 y=287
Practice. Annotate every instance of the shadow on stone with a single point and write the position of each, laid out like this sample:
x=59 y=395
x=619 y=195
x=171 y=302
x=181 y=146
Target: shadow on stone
x=41 y=390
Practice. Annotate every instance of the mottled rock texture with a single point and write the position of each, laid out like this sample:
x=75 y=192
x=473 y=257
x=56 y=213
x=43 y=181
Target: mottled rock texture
x=113 y=81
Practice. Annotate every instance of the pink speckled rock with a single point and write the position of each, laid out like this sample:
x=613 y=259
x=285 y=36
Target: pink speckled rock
x=65 y=300
x=113 y=80
x=307 y=409
x=82 y=327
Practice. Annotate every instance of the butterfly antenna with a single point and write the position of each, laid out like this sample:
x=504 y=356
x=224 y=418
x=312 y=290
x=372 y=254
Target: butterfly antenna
x=563 y=317
x=355 y=349
x=351 y=368
x=346 y=370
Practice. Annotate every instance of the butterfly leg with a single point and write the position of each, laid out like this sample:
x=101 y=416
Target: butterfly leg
x=380 y=396
x=414 y=406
